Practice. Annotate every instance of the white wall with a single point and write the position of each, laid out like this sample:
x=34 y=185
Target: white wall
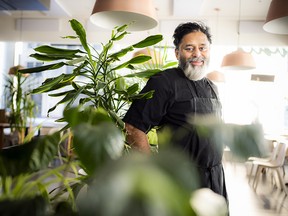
x=51 y=30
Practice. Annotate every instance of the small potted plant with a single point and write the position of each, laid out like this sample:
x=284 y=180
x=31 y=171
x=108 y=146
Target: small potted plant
x=19 y=104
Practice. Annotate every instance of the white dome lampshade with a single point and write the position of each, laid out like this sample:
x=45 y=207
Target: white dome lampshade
x=277 y=17
x=140 y=15
x=238 y=60
x=216 y=76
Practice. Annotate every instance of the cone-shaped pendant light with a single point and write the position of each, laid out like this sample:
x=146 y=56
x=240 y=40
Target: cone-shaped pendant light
x=216 y=76
x=277 y=17
x=111 y=13
x=238 y=60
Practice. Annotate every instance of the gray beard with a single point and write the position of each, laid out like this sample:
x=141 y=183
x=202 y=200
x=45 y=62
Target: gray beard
x=193 y=73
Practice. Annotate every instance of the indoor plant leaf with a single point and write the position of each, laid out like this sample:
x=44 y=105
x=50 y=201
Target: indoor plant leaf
x=29 y=157
x=95 y=145
x=149 y=41
x=56 y=51
x=42 y=68
x=135 y=60
x=52 y=57
x=80 y=31
x=144 y=74
x=47 y=85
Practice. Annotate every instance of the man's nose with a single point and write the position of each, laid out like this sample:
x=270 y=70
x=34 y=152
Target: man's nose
x=196 y=53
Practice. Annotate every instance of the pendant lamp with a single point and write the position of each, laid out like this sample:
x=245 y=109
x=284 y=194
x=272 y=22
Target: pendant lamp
x=239 y=59
x=216 y=76
x=140 y=15
x=277 y=17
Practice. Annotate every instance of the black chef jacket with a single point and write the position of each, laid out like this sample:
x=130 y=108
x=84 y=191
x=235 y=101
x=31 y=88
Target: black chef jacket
x=175 y=99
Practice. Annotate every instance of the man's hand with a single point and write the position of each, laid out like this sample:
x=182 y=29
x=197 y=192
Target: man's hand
x=137 y=139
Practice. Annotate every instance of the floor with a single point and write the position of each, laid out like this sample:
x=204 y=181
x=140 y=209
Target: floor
x=244 y=201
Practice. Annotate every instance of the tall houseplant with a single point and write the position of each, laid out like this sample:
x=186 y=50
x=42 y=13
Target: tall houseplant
x=94 y=80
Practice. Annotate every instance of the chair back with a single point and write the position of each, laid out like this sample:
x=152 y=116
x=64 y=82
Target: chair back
x=275 y=151
x=280 y=154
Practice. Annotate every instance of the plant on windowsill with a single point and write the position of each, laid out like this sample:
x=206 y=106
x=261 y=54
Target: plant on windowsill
x=19 y=104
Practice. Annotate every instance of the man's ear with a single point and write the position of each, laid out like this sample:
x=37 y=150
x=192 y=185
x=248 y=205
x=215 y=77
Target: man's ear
x=177 y=53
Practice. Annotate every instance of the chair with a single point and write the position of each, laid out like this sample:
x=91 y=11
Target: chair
x=274 y=165
x=268 y=158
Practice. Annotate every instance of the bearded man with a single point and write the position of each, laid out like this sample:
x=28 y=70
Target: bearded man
x=180 y=93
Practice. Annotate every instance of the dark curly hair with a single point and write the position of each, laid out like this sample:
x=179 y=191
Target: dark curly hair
x=186 y=28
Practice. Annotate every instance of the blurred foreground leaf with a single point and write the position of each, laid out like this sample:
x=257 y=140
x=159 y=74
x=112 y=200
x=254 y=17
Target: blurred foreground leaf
x=142 y=185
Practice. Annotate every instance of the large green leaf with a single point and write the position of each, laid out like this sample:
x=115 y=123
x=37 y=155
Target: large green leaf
x=96 y=145
x=243 y=140
x=32 y=206
x=133 y=89
x=53 y=57
x=146 y=95
x=29 y=157
x=75 y=116
x=170 y=64
x=121 y=53
x=48 y=85
x=149 y=41
x=80 y=31
x=153 y=185
x=136 y=60
x=69 y=97
x=122 y=28
x=57 y=51
x=119 y=37
x=45 y=151
x=143 y=74
x=42 y=68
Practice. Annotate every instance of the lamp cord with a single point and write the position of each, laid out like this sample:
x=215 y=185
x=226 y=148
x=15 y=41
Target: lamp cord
x=238 y=27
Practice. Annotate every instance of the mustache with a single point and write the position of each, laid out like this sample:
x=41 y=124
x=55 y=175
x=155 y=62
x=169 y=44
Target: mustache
x=195 y=59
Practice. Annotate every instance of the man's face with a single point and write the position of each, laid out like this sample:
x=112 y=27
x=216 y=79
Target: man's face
x=194 y=55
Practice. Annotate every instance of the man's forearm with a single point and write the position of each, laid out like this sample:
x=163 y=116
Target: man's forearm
x=137 y=139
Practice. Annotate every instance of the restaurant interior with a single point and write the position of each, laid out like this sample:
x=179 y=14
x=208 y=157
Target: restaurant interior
x=248 y=64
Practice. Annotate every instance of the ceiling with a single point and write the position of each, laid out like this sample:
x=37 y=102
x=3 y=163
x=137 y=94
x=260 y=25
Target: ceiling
x=222 y=16
x=166 y=9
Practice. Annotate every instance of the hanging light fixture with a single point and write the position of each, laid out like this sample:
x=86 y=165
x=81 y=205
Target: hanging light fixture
x=277 y=17
x=141 y=14
x=239 y=59
x=216 y=76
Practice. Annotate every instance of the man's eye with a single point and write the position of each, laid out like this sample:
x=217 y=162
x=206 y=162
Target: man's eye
x=203 y=48
x=189 y=49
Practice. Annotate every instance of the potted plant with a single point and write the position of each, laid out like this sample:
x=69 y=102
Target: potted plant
x=94 y=80
x=19 y=104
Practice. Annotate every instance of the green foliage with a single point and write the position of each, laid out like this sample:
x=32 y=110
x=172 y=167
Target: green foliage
x=96 y=139
x=118 y=184
x=95 y=79
x=19 y=103
x=24 y=168
x=30 y=206
x=243 y=140
x=142 y=185
x=29 y=157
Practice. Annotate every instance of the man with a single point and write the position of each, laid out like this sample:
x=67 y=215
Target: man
x=182 y=93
